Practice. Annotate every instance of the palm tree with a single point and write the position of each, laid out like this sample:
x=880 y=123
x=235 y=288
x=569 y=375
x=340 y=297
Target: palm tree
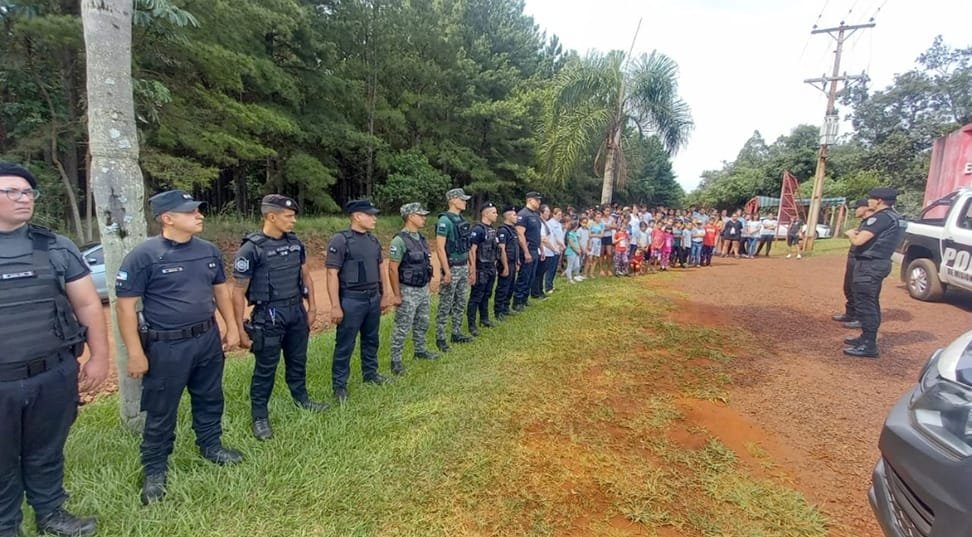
x=601 y=99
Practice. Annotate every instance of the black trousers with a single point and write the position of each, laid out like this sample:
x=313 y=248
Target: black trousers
x=479 y=296
x=866 y=283
x=524 y=279
x=37 y=414
x=765 y=240
x=362 y=314
x=849 y=289
x=196 y=364
x=504 y=291
x=280 y=328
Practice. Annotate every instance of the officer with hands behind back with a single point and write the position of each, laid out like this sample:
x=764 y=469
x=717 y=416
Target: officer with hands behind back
x=48 y=309
x=181 y=282
x=873 y=245
x=410 y=272
x=272 y=275
x=482 y=268
x=508 y=244
x=359 y=291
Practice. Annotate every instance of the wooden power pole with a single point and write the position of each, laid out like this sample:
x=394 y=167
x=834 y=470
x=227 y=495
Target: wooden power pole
x=829 y=133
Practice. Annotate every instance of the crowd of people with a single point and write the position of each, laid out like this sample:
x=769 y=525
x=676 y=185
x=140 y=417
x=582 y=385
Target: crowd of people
x=624 y=241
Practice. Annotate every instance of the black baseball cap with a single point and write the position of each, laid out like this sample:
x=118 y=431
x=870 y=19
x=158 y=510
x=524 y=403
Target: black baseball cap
x=173 y=201
x=535 y=195
x=360 y=206
x=883 y=193
x=16 y=170
x=280 y=202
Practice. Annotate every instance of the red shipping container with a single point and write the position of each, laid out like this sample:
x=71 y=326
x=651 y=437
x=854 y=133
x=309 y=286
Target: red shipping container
x=951 y=164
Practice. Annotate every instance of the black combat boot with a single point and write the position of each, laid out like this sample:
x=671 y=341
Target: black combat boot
x=312 y=405
x=397 y=368
x=261 y=429
x=153 y=488
x=221 y=455
x=62 y=523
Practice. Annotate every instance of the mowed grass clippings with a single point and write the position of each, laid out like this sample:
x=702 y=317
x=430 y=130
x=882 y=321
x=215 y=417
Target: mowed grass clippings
x=539 y=426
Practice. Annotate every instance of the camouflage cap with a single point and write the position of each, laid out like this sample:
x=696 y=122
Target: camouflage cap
x=457 y=193
x=413 y=208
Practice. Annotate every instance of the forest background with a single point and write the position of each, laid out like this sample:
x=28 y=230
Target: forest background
x=398 y=101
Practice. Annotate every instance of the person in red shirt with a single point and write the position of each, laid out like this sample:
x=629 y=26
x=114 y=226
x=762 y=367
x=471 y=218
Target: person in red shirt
x=708 y=243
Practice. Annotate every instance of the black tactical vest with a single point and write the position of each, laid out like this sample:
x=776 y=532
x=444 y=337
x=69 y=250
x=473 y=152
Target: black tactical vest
x=277 y=274
x=458 y=241
x=360 y=270
x=885 y=242
x=486 y=250
x=512 y=244
x=36 y=319
x=415 y=270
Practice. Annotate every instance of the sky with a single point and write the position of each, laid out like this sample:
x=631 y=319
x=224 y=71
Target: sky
x=742 y=63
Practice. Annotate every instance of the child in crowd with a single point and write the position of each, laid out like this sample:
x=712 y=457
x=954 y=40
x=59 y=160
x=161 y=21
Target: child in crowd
x=676 y=232
x=593 y=264
x=572 y=251
x=621 y=241
x=686 y=244
x=657 y=243
x=698 y=235
x=638 y=261
x=668 y=244
x=709 y=239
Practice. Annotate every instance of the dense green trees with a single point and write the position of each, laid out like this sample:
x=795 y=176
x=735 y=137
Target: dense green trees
x=891 y=143
x=324 y=100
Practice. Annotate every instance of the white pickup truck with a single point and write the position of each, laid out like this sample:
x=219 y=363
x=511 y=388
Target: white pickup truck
x=936 y=251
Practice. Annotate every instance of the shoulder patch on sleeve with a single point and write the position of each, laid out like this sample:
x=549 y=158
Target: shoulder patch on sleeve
x=871 y=220
x=241 y=264
x=122 y=276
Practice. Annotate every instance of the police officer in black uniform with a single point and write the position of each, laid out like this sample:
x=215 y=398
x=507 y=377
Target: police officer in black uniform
x=181 y=282
x=528 y=232
x=48 y=304
x=359 y=291
x=508 y=255
x=271 y=274
x=874 y=243
x=482 y=264
x=849 y=317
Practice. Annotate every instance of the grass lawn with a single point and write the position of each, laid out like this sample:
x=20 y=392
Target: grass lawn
x=539 y=427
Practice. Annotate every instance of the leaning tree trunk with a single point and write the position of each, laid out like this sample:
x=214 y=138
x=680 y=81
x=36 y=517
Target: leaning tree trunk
x=115 y=176
x=610 y=165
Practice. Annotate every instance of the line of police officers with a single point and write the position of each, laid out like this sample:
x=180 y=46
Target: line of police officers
x=174 y=342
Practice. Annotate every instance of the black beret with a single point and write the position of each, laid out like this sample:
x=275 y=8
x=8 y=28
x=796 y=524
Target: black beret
x=280 y=202
x=860 y=203
x=15 y=170
x=883 y=193
x=509 y=208
x=360 y=206
x=487 y=205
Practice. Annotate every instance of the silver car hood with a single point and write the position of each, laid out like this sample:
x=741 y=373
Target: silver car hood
x=955 y=363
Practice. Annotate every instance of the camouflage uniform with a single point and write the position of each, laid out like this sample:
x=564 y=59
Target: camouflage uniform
x=414 y=311
x=452 y=296
x=452 y=302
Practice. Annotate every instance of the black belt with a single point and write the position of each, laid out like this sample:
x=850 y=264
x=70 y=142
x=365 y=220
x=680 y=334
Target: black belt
x=282 y=301
x=182 y=333
x=458 y=263
x=26 y=370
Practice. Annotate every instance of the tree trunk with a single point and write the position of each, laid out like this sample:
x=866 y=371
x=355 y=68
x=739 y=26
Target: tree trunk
x=610 y=163
x=115 y=176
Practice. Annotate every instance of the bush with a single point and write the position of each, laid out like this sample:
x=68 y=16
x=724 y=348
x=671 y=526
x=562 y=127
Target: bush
x=411 y=178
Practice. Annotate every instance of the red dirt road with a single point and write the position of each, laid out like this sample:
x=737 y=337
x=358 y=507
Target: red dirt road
x=824 y=411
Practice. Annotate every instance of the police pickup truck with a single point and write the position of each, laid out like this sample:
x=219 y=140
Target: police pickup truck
x=936 y=251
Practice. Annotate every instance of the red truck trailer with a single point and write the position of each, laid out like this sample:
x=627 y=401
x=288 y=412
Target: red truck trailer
x=951 y=165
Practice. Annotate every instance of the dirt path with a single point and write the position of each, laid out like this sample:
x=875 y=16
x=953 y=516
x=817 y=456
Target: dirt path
x=825 y=410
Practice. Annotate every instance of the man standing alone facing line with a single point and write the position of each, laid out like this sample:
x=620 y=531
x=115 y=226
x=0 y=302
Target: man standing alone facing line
x=849 y=317
x=452 y=249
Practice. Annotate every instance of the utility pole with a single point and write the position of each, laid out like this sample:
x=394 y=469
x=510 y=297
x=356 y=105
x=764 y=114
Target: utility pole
x=829 y=134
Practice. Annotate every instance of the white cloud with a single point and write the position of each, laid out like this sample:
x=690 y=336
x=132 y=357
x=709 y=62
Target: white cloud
x=743 y=62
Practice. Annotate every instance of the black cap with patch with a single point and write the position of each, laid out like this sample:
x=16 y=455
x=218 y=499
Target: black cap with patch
x=280 y=202
x=173 y=201
x=16 y=170
x=360 y=206
x=883 y=193
x=509 y=208
x=487 y=205
x=860 y=203
x=535 y=195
